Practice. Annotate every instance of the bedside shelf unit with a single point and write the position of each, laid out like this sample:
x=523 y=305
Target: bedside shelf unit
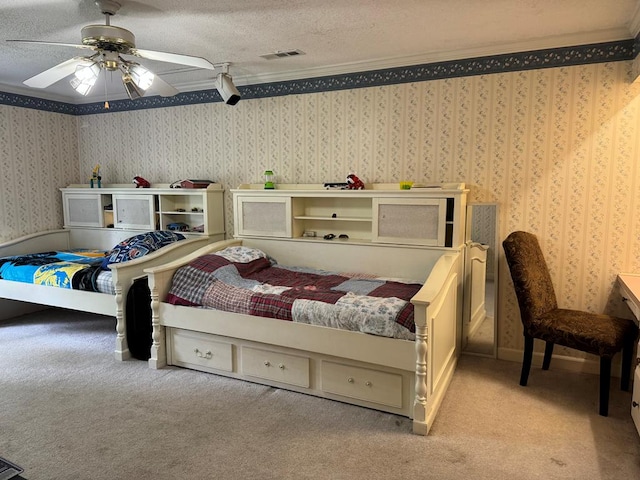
x=382 y=213
x=124 y=207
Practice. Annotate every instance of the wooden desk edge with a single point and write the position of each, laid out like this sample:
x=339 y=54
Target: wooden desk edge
x=631 y=284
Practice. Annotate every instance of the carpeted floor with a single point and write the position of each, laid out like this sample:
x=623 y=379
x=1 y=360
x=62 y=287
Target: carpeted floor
x=68 y=410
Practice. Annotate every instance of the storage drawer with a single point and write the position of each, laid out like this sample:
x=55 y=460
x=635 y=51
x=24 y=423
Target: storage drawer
x=280 y=367
x=626 y=298
x=627 y=283
x=191 y=348
x=362 y=383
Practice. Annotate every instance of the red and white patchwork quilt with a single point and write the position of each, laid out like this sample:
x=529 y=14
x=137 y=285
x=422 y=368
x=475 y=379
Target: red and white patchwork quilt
x=246 y=280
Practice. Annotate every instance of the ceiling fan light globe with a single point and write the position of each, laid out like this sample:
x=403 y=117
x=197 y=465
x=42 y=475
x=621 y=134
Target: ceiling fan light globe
x=83 y=87
x=87 y=72
x=142 y=77
x=133 y=91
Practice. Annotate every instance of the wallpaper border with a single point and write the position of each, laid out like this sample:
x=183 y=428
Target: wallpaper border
x=35 y=103
x=548 y=58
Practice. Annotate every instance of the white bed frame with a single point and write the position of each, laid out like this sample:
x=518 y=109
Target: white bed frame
x=398 y=376
x=102 y=303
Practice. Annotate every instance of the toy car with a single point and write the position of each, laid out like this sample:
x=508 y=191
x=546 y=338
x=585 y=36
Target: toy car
x=178 y=227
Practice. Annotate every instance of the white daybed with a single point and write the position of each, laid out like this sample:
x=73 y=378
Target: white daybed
x=403 y=377
x=102 y=303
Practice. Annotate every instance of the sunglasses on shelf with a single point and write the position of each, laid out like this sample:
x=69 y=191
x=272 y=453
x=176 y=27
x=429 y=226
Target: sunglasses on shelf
x=331 y=236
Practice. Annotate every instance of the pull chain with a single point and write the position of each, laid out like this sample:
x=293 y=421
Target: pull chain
x=106 y=100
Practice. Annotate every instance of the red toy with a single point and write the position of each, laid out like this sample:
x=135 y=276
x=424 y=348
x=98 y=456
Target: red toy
x=354 y=183
x=141 y=182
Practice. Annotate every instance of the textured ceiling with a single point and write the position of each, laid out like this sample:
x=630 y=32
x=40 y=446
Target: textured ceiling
x=337 y=36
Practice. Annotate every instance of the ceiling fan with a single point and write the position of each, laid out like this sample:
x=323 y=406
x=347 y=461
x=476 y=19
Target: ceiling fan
x=108 y=43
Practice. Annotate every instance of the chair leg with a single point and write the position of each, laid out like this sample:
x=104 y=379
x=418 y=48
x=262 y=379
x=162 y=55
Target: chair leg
x=548 y=351
x=625 y=374
x=605 y=382
x=526 y=360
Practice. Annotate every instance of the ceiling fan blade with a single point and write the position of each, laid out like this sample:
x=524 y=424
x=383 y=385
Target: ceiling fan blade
x=162 y=88
x=188 y=60
x=52 y=75
x=88 y=47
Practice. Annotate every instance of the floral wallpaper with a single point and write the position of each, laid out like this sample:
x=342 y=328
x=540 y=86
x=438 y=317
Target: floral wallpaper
x=38 y=154
x=558 y=149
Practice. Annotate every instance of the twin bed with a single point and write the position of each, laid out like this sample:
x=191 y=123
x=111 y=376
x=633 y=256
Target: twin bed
x=110 y=297
x=406 y=376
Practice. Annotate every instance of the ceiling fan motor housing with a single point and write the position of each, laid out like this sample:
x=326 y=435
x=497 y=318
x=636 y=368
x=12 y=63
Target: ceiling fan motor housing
x=108 y=37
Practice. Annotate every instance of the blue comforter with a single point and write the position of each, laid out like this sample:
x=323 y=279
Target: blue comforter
x=75 y=269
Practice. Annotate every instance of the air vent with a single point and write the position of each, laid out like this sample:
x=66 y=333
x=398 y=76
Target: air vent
x=282 y=54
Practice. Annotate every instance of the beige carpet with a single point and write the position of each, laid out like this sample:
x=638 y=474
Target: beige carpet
x=482 y=341
x=68 y=410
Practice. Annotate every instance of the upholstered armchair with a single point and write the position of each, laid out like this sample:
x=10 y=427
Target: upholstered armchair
x=598 y=334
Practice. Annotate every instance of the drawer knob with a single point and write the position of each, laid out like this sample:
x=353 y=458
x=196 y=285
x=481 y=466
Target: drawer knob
x=350 y=380
x=267 y=363
x=201 y=354
x=635 y=404
x=281 y=366
x=368 y=383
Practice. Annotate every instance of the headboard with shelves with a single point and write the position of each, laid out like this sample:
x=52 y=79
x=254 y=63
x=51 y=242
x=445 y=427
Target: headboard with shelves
x=194 y=211
x=381 y=214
